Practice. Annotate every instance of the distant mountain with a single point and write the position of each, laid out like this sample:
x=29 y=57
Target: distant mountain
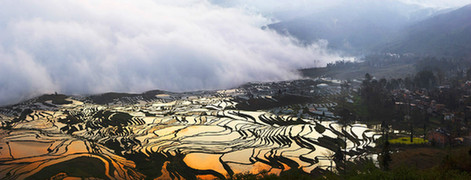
x=447 y=34
x=355 y=26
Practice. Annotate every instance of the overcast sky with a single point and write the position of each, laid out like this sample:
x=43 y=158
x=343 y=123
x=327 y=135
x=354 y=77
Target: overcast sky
x=89 y=46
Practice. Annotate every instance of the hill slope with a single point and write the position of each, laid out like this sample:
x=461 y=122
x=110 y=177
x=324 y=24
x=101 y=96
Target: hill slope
x=354 y=27
x=447 y=34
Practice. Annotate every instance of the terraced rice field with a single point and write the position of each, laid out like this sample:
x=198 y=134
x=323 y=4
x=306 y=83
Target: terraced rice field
x=197 y=137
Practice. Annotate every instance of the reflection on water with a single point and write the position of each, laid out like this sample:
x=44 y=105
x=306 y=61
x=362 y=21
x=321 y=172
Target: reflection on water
x=31 y=153
x=197 y=138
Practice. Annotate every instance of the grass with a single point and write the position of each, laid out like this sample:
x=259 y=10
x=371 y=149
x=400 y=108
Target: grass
x=406 y=140
x=457 y=158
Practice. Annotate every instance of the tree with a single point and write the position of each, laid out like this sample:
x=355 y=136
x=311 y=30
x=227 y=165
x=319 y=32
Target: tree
x=426 y=121
x=408 y=83
x=386 y=154
x=368 y=77
x=440 y=76
x=377 y=99
x=425 y=79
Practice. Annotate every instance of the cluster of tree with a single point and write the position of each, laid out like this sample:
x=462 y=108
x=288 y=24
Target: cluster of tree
x=342 y=64
x=445 y=69
x=374 y=60
x=376 y=98
x=376 y=102
x=443 y=64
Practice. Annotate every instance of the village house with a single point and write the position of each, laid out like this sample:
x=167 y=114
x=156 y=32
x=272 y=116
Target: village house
x=439 y=136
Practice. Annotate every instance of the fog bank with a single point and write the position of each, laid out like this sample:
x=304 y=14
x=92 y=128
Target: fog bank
x=86 y=47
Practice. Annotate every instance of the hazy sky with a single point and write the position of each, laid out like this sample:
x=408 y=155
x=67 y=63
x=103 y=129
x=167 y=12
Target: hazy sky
x=306 y=6
x=439 y=3
x=88 y=46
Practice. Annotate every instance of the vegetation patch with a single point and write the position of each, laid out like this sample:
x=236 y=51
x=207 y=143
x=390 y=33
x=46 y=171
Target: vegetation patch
x=59 y=99
x=406 y=140
x=78 y=167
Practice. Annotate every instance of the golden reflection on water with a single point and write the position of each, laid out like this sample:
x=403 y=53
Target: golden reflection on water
x=165 y=173
x=204 y=162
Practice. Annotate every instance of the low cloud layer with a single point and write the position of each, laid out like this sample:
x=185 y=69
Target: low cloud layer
x=86 y=46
